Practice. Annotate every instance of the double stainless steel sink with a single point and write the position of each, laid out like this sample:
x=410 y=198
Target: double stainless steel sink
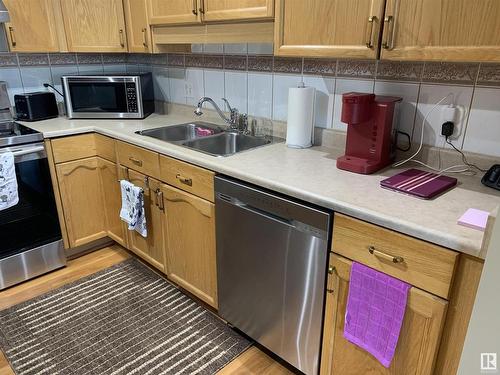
x=209 y=138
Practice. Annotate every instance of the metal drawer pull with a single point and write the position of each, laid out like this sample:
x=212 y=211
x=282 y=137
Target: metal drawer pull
x=184 y=180
x=377 y=253
x=135 y=161
x=12 y=38
x=369 y=39
x=388 y=30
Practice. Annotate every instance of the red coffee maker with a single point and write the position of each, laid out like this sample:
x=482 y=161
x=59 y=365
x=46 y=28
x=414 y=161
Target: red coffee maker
x=370 y=136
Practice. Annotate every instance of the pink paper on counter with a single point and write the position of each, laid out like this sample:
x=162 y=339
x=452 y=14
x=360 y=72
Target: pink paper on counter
x=474 y=218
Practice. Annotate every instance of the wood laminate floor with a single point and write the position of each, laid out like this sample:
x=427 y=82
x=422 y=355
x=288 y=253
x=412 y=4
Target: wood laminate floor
x=252 y=361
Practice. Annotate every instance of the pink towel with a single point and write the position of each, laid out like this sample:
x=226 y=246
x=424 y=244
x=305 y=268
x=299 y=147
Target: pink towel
x=375 y=309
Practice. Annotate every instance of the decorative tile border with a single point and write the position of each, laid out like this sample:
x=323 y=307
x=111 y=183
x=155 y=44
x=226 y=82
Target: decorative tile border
x=62 y=58
x=356 y=68
x=176 y=59
x=323 y=67
x=450 y=73
x=159 y=59
x=8 y=59
x=33 y=59
x=260 y=63
x=489 y=75
x=288 y=65
x=89 y=58
x=213 y=61
x=114 y=58
x=235 y=62
x=399 y=71
x=194 y=61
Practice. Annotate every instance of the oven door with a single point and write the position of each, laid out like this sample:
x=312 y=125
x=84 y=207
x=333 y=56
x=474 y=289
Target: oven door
x=102 y=97
x=33 y=222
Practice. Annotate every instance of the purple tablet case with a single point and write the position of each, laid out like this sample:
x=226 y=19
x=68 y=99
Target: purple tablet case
x=419 y=183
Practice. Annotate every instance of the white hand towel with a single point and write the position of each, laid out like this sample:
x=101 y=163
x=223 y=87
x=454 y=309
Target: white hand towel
x=9 y=195
x=132 y=211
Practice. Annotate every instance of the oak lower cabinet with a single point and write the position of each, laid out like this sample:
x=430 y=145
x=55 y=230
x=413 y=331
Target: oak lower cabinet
x=418 y=341
x=189 y=231
x=149 y=248
x=111 y=195
x=348 y=29
x=81 y=196
x=451 y=30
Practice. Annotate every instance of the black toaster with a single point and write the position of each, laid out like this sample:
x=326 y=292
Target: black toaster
x=35 y=106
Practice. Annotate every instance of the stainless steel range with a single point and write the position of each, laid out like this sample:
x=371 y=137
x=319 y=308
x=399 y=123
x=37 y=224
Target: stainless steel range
x=30 y=235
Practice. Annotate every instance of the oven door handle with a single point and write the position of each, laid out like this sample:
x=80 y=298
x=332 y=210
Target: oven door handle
x=21 y=153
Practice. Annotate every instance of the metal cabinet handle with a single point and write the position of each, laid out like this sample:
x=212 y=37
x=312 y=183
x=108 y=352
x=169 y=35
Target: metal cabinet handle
x=122 y=41
x=202 y=7
x=369 y=38
x=135 y=161
x=144 y=37
x=331 y=270
x=381 y=254
x=184 y=180
x=195 y=12
x=159 y=199
x=387 y=43
x=12 y=38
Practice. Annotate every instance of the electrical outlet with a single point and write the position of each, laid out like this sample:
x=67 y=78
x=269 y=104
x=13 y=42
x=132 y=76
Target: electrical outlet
x=189 y=90
x=451 y=113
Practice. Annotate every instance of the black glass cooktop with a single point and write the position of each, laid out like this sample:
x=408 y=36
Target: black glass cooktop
x=13 y=133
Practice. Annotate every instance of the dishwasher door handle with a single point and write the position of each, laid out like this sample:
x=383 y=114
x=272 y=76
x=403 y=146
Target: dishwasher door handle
x=262 y=213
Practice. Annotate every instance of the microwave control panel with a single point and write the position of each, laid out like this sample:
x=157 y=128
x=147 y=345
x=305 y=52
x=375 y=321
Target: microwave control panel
x=131 y=97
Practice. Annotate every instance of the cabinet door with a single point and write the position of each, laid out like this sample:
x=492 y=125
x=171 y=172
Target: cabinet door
x=94 y=25
x=228 y=10
x=149 y=248
x=418 y=341
x=110 y=186
x=328 y=28
x=442 y=30
x=138 y=33
x=164 y=12
x=82 y=202
x=33 y=25
x=189 y=230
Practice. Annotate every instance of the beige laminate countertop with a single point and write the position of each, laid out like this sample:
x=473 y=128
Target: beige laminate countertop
x=311 y=175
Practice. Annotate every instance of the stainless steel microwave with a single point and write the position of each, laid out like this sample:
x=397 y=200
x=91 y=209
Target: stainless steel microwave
x=108 y=95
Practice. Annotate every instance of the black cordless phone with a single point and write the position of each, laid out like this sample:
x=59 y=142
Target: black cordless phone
x=492 y=177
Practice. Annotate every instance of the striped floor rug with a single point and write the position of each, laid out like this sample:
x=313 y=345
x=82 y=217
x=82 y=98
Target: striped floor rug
x=123 y=320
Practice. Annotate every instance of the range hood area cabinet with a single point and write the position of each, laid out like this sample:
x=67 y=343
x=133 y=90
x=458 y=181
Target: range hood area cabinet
x=444 y=30
x=169 y=12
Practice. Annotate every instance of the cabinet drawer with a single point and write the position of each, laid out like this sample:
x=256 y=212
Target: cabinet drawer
x=73 y=147
x=188 y=177
x=417 y=262
x=139 y=159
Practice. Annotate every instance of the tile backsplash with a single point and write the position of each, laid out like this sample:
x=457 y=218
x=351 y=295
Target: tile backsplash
x=256 y=82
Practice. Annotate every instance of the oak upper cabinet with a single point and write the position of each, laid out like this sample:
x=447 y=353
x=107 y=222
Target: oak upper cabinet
x=138 y=31
x=328 y=28
x=164 y=12
x=94 y=25
x=452 y=30
x=110 y=186
x=34 y=26
x=418 y=341
x=82 y=201
x=189 y=232
x=149 y=248
x=226 y=10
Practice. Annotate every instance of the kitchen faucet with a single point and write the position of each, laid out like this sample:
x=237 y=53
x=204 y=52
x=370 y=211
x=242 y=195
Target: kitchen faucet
x=236 y=121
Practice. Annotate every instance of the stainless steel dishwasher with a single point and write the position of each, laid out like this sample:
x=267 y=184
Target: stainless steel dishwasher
x=271 y=264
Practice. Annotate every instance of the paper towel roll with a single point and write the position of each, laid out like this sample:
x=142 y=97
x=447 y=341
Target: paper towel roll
x=300 y=124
